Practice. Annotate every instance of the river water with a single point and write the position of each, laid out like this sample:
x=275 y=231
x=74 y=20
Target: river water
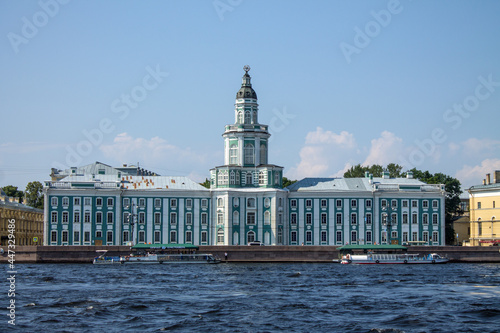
x=263 y=297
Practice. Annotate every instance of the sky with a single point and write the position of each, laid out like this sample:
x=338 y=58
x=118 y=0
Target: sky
x=339 y=83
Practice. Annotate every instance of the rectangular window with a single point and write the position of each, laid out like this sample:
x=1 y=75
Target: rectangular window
x=394 y=234
x=65 y=202
x=435 y=204
x=220 y=218
x=414 y=203
x=204 y=218
x=126 y=203
x=98 y=202
x=86 y=236
x=189 y=203
x=435 y=219
x=354 y=219
x=65 y=217
x=293 y=203
x=394 y=218
x=173 y=203
x=425 y=236
x=157 y=203
x=111 y=202
x=98 y=217
x=323 y=203
x=53 y=201
x=110 y=217
x=189 y=237
x=98 y=234
x=157 y=236
x=53 y=236
x=76 y=236
x=405 y=203
x=384 y=236
x=384 y=203
x=203 y=236
x=354 y=203
x=354 y=236
x=425 y=204
x=425 y=219
x=142 y=217
x=308 y=203
x=189 y=218
x=368 y=219
x=405 y=236
x=323 y=236
x=173 y=236
x=53 y=218
x=76 y=201
x=294 y=236
x=368 y=236
x=309 y=218
x=394 y=204
x=339 y=237
x=435 y=236
x=173 y=218
x=414 y=236
x=65 y=236
x=479 y=205
x=368 y=203
x=308 y=236
x=323 y=218
x=250 y=217
x=338 y=203
x=157 y=218
x=204 y=203
x=142 y=202
x=339 y=218
x=125 y=236
x=293 y=218
x=109 y=236
x=414 y=218
x=126 y=218
x=76 y=217
x=405 y=218
x=142 y=236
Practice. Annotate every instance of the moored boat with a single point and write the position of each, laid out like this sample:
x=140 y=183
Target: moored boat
x=385 y=254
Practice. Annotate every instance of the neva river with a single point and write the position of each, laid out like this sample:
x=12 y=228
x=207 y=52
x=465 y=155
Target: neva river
x=255 y=298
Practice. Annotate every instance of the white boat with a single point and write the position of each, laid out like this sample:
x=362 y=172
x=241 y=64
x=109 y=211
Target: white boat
x=382 y=258
x=385 y=254
x=176 y=254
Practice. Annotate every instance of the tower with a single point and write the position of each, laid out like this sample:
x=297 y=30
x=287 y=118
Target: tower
x=246 y=147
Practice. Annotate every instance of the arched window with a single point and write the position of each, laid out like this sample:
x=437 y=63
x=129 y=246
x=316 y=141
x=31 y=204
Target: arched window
x=240 y=117
x=263 y=154
x=247 y=117
x=249 y=154
x=254 y=117
x=236 y=218
x=262 y=178
x=267 y=218
x=231 y=178
x=233 y=154
x=220 y=236
x=250 y=237
x=249 y=179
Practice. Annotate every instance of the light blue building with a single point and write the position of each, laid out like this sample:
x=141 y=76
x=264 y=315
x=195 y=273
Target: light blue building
x=102 y=205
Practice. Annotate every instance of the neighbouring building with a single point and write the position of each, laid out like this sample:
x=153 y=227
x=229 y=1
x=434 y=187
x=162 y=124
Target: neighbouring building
x=484 y=201
x=28 y=225
x=101 y=205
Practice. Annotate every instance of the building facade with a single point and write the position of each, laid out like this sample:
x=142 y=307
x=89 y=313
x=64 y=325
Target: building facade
x=27 y=222
x=246 y=202
x=484 y=206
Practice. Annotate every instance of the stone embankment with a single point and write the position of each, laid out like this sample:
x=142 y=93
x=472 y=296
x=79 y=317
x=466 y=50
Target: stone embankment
x=85 y=254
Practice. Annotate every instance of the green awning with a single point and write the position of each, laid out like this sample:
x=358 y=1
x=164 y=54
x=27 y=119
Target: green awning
x=165 y=246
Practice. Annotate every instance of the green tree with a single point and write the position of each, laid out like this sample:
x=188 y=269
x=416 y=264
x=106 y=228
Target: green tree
x=34 y=194
x=395 y=170
x=206 y=183
x=287 y=182
x=12 y=191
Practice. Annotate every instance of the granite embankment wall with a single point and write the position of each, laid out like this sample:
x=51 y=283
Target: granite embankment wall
x=85 y=254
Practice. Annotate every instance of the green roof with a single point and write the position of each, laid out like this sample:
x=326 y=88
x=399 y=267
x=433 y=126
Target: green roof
x=165 y=246
x=372 y=247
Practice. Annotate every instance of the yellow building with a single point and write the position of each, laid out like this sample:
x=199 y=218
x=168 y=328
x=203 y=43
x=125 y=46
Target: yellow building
x=28 y=222
x=484 y=201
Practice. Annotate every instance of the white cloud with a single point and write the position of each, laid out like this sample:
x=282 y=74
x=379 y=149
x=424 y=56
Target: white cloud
x=474 y=175
x=156 y=154
x=344 y=139
x=384 y=150
x=475 y=147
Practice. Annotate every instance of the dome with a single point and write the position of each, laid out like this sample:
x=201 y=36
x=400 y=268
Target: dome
x=246 y=90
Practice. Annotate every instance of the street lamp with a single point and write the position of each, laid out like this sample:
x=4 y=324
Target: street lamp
x=387 y=223
x=131 y=218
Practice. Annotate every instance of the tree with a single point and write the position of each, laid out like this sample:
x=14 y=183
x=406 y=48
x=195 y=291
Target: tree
x=206 y=183
x=12 y=191
x=287 y=182
x=34 y=194
x=358 y=171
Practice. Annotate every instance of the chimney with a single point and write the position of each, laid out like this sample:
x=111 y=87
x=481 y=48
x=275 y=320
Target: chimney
x=385 y=175
x=370 y=178
x=496 y=177
x=409 y=175
x=488 y=182
x=367 y=174
x=484 y=181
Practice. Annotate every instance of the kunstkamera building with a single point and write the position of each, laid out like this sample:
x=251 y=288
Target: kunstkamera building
x=98 y=204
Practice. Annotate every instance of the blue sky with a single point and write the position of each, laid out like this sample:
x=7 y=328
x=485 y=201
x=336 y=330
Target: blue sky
x=339 y=82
